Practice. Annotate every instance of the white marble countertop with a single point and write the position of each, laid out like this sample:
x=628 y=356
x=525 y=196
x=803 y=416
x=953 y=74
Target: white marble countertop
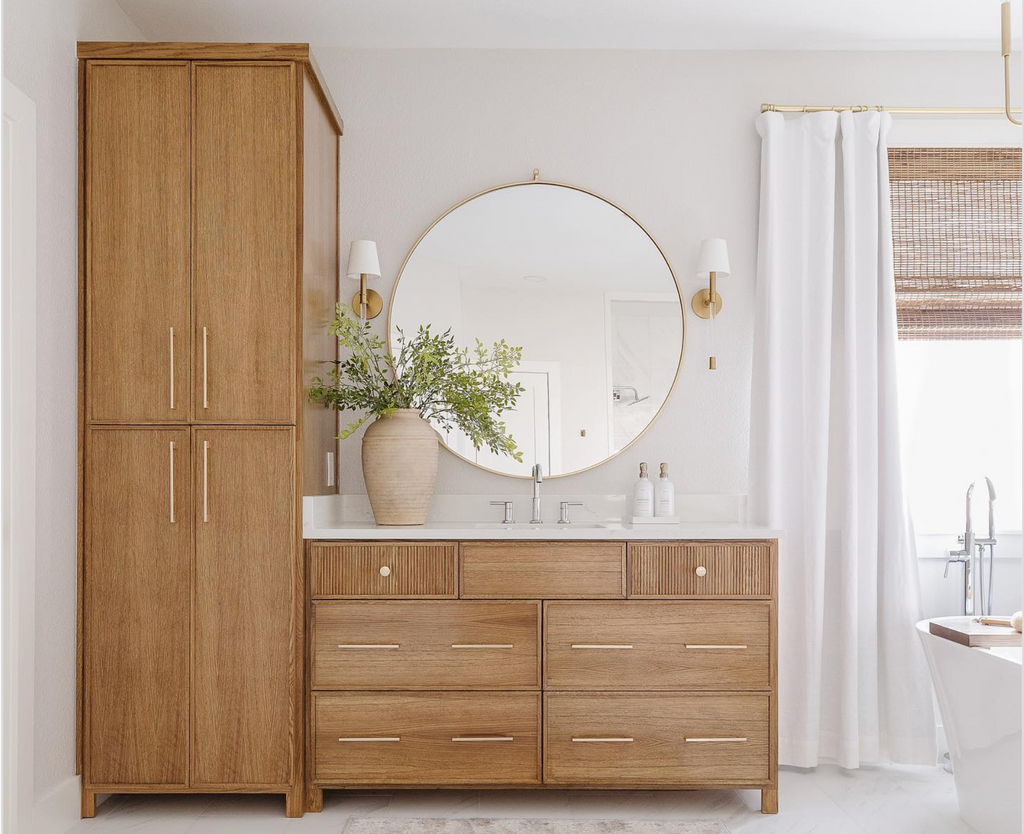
x=470 y=517
x=464 y=531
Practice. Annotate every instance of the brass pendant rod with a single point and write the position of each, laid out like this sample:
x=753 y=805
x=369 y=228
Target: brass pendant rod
x=896 y=111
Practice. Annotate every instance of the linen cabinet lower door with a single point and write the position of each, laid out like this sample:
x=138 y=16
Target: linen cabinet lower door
x=245 y=621
x=137 y=554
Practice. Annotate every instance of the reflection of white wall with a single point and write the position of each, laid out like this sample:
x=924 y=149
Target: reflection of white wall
x=434 y=299
x=567 y=328
x=645 y=339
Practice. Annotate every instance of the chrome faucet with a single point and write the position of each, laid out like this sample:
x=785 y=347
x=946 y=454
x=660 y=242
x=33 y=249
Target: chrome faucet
x=974 y=571
x=538 y=478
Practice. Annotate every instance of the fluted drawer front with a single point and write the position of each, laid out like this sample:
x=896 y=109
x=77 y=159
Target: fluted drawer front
x=701 y=569
x=402 y=569
x=426 y=645
x=637 y=738
x=427 y=738
x=656 y=645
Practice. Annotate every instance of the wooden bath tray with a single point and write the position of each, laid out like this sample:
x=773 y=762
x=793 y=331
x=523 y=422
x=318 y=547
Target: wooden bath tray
x=965 y=631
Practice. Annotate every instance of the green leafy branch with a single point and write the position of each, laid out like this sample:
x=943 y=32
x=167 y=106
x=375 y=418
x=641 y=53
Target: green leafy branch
x=455 y=388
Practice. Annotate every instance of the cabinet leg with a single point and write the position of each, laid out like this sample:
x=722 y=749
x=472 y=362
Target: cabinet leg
x=770 y=801
x=294 y=803
x=315 y=800
x=88 y=803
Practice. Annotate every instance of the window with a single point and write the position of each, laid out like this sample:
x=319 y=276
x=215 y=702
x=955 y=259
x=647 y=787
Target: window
x=956 y=215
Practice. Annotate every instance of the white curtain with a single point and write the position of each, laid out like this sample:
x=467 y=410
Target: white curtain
x=824 y=455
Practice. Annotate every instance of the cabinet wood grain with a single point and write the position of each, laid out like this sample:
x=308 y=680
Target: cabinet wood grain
x=542 y=570
x=136 y=585
x=656 y=645
x=383 y=569
x=426 y=645
x=319 y=283
x=639 y=738
x=137 y=242
x=372 y=738
x=244 y=249
x=244 y=667
x=702 y=569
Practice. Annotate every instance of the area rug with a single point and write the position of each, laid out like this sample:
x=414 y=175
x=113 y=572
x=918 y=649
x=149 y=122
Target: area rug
x=378 y=825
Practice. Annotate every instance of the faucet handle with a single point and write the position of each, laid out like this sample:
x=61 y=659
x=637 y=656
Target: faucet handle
x=563 y=510
x=509 y=511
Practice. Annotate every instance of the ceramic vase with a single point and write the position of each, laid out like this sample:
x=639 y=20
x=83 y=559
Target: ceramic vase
x=400 y=467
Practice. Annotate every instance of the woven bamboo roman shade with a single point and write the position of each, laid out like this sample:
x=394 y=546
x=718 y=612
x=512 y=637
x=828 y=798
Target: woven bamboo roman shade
x=956 y=215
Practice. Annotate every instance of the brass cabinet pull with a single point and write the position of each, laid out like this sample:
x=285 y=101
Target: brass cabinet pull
x=206 y=402
x=369 y=645
x=701 y=571
x=484 y=738
x=370 y=738
x=602 y=645
x=713 y=646
x=171 y=446
x=610 y=740
x=706 y=740
x=172 y=368
x=483 y=646
x=385 y=571
x=206 y=479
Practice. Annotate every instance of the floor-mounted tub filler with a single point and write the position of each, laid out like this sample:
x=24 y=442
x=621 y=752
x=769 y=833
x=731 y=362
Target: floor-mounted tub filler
x=979 y=695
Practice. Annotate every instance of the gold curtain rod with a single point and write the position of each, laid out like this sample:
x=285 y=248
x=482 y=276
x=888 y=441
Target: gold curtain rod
x=905 y=111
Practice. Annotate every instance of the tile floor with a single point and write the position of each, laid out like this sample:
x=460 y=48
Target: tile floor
x=827 y=800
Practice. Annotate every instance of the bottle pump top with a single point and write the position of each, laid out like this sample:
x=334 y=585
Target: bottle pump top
x=643 y=470
x=664 y=470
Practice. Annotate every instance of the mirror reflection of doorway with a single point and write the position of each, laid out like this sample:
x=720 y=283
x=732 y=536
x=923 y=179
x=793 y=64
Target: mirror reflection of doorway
x=535 y=423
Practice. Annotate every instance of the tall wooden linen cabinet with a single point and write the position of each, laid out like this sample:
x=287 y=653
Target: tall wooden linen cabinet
x=208 y=261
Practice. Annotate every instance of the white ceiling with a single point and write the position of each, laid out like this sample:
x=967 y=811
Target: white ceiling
x=582 y=24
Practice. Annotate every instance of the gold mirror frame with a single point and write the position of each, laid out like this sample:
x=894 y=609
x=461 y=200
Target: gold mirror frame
x=679 y=292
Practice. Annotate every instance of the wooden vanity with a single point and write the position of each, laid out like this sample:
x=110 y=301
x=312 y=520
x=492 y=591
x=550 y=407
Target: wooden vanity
x=579 y=664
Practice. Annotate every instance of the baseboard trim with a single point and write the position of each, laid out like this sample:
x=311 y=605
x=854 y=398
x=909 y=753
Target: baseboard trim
x=60 y=809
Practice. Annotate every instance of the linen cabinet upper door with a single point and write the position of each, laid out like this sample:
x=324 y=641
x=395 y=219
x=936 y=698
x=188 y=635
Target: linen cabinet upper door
x=244 y=242
x=137 y=241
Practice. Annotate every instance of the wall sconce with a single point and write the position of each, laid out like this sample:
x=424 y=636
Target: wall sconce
x=712 y=263
x=363 y=264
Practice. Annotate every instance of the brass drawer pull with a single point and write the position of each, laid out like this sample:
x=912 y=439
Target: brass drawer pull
x=484 y=738
x=172 y=368
x=369 y=645
x=206 y=481
x=701 y=571
x=206 y=400
x=371 y=738
x=602 y=645
x=712 y=646
x=704 y=740
x=483 y=646
x=171 y=445
x=385 y=570
x=611 y=740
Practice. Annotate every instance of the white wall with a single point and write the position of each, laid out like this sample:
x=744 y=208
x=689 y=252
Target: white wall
x=39 y=57
x=668 y=135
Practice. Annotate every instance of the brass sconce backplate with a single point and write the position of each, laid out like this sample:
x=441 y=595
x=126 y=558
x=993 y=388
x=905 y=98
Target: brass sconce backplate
x=701 y=304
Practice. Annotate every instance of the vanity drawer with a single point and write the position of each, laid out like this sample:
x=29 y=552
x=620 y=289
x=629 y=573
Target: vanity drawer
x=655 y=739
x=656 y=645
x=543 y=570
x=702 y=569
x=380 y=569
x=427 y=738
x=426 y=645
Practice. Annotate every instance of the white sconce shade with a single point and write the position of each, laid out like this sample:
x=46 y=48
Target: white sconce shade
x=362 y=259
x=713 y=257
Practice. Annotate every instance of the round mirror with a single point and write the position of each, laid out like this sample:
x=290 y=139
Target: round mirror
x=581 y=287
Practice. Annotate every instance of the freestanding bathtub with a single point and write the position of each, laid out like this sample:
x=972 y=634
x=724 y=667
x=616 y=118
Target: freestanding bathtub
x=979 y=694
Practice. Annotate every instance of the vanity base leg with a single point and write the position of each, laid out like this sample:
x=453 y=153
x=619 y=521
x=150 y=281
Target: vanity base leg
x=770 y=801
x=294 y=804
x=315 y=800
x=88 y=803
